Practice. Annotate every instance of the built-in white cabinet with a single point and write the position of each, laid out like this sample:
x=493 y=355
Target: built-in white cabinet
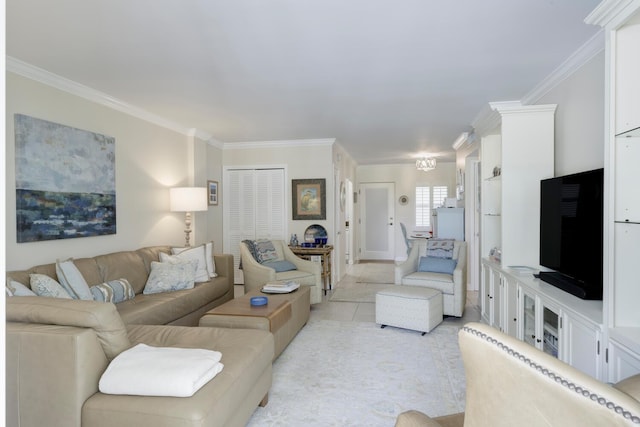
x=621 y=22
x=543 y=316
x=586 y=348
x=623 y=362
x=516 y=152
x=541 y=323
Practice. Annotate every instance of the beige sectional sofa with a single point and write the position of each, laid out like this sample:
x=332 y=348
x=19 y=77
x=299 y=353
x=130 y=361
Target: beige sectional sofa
x=57 y=350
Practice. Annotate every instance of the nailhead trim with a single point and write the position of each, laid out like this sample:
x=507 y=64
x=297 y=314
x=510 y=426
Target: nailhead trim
x=557 y=378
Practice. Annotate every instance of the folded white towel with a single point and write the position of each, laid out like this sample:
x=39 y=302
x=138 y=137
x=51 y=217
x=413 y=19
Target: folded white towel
x=160 y=371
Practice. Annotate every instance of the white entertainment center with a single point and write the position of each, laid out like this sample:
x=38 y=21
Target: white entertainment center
x=601 y=338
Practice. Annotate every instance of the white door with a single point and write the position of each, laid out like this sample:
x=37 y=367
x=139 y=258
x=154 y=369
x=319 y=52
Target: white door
x=377 y=221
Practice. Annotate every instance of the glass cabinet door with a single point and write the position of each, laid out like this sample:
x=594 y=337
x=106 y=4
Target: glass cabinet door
x=528 y=319
x=550 y=323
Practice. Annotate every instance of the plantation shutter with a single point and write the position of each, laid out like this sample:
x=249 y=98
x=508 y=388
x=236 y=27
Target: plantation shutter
x=254 y=207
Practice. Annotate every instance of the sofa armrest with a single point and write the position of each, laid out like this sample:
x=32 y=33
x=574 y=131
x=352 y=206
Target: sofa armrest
x=407 y=267
x=510 y=382
x=224 y=266
x=301 y=264
x=50 y=372
x=255 y=275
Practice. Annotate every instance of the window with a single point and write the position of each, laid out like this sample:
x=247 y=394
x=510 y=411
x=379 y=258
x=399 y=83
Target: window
x=428 y=198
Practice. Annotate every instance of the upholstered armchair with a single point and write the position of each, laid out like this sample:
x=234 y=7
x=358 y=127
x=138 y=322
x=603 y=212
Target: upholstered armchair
x=453 y=286
x=256 y=274
x=511 y=383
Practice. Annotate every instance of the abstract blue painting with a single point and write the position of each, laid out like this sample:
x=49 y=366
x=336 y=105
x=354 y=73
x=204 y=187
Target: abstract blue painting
x=65 y=181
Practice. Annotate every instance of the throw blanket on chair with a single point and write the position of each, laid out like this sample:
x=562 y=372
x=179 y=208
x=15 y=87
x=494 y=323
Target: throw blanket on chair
x=440 y=248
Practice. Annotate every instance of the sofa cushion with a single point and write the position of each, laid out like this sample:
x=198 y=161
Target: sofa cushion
x=166 y=307
x=170 y=276
x=631 y=386
x=102 y=318
x=72 y=280
x=45 y=286
x=123 y=265
x=437 y=265
x=440 y=281
x=246 y=355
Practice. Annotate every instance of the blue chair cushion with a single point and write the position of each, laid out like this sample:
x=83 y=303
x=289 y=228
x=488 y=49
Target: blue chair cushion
x=437 y=265
x=280 y=266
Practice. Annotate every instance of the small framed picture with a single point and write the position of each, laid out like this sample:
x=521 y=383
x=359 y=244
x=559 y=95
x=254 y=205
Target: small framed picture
x=212 y=187
x=308 y=198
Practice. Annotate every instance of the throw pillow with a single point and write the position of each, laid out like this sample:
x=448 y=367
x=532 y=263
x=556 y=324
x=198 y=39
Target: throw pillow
x=280 y=266
x=114 y=291
x=72 y=281
x=167 y=277
x=265 y=251
x=17 y=289
x=211 y=264
x=45 y=286
x=437 y=265
x=440 y=248
x=198 y=254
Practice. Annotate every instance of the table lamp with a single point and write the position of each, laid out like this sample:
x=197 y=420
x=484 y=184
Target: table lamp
x=187 y=200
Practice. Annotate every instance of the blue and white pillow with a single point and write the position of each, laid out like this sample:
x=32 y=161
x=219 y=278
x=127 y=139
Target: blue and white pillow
x=208 y=253
x=45 y=286
x=114 y=291
x=72 y=280
x=17 y=289
x=265 y=251
x=197 y=254
x=167 y=277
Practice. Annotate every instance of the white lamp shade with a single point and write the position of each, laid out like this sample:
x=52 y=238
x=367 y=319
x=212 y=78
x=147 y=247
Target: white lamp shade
x=188 y=199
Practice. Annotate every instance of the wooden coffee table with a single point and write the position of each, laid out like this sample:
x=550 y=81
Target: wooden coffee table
x=284 y=315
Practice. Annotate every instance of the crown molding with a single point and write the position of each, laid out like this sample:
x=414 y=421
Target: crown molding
x=610 y=14
x=516 y=107
x=486 y=121
x=461 y=139
x=32 y=72
x=248 y=145
x=577 y=60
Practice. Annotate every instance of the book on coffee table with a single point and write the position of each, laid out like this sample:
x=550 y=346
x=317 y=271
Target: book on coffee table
x=280 y=287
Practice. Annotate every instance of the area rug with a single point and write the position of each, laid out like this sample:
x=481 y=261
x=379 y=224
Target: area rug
x=360 y=292
x=337 y=373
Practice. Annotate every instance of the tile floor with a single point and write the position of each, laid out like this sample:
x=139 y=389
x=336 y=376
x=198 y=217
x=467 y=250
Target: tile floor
x=372 y=272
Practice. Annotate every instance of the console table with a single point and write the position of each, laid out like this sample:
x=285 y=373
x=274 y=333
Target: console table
x=324 y=252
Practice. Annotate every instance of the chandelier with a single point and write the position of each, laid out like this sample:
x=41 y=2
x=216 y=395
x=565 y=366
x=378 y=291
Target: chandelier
x=426 y=164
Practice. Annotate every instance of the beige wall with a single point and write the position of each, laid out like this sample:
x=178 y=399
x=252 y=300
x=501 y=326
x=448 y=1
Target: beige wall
x=579 y=119
x=149 y=160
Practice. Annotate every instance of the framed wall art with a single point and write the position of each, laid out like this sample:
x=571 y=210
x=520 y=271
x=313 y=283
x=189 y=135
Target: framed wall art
x=309 y=198
x=65 y=181
x=212 y=192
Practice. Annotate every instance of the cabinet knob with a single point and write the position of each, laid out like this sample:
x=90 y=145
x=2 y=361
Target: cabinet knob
x=533 y=337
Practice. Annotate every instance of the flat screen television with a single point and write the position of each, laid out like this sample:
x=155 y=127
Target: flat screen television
x=571 y=222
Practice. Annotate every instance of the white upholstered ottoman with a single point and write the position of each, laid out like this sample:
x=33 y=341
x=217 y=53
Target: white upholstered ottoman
x=409 y=307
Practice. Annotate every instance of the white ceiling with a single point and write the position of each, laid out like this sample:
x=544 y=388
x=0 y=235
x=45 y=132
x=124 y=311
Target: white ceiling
x=388 y=79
